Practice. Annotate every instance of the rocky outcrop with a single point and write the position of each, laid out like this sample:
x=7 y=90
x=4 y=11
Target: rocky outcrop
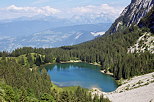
x=143 y=44
x=148 y=21
x=132 y=14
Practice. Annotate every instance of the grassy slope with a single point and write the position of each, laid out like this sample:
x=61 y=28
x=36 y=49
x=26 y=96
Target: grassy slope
x=60 y=89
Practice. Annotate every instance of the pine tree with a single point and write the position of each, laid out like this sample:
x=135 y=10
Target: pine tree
x=38 y=61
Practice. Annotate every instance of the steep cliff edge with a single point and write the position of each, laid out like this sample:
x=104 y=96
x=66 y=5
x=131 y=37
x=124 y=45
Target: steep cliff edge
x=146 y=41
x=132 y=14
x=148 y=21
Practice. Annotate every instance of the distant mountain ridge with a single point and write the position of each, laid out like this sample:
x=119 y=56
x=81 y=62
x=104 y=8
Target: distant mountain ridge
x=27 y=26
x=55 y=37
x=132 y=14
x=126 y=53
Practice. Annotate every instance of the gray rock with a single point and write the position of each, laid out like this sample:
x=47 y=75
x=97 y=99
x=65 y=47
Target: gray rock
x=132 y=14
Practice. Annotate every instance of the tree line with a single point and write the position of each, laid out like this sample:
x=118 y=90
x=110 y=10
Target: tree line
x=110 y=51
x=20 y=83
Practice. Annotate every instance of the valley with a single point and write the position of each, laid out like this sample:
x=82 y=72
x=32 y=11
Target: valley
x=64 y=57
x=54 y=37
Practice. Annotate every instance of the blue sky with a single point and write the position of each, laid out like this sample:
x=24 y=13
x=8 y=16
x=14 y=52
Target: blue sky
x=107 y=9
x=63 y=3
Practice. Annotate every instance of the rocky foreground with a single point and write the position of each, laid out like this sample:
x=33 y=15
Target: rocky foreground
x=137 y=89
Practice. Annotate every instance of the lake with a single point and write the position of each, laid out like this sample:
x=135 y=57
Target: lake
x=81 y=74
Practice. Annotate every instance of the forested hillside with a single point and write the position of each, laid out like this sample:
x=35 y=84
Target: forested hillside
x=19 y=83
x=22 y=79
x=111 y=51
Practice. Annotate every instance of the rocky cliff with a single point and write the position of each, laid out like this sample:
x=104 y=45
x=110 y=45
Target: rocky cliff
x=132 y=14
x=148 y=21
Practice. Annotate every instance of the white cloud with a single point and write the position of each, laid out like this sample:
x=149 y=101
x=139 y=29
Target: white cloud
x=90 y=13
x=98 y=10
x=94 y=14
x=15 y=11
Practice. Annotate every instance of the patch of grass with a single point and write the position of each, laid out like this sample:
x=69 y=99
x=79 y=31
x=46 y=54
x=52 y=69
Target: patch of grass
x=152 y=81
x=60 y=89
x=153 y=75
x=139 y=82
x=71 y=88
x=119 y=82
x=127 y=87
x=146 y=83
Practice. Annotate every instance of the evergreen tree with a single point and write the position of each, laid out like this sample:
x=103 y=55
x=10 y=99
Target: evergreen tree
x=30 y=60
x=38 y=61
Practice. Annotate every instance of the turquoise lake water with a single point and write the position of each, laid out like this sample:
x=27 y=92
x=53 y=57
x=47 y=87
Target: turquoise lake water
x=80 y=74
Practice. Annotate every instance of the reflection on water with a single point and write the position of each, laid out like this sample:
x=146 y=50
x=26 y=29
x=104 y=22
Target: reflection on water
x=80 y=74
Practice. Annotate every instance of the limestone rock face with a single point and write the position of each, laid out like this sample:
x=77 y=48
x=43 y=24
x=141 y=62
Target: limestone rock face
x=132 y=14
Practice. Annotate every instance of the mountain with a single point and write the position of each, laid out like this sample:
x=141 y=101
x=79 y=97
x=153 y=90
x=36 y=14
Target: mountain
x=132 y=14
x=148 y=21
x=27 y=26
x=117 y=53
x=146 y=40
x=126 y=54
x=62 y=36
x=92 y=19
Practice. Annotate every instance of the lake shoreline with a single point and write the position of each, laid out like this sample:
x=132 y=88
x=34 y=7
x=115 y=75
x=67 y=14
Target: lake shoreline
x=86 y=68
x=138 y=86
x=78 y=61
x=108 y=73
x=96 y=64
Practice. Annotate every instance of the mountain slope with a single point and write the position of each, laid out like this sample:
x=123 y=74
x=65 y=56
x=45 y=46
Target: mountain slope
x=28 y=26
x=132 y=14
x=110 y=51
x=148 y=21
x=146 y=41
x=61 y=36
